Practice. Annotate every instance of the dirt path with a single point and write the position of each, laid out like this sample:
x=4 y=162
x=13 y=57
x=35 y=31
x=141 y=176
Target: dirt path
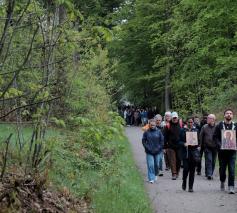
x=167 y=196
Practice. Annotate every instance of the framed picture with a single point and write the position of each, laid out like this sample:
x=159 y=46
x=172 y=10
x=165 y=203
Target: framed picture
x=228 y=139
x=191 y=138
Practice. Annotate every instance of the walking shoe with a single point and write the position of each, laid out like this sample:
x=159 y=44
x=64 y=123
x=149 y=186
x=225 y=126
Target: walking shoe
x=174 y=177
x=160 y=173
x=231 y=190
x=184 y=185
x=209 y=177
x=198 y=173
x=222 y=186
x=190 y=190
x=151 y=181
x=167 y=169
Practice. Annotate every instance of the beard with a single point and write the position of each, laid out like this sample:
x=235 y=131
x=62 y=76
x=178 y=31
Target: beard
x=228 y=118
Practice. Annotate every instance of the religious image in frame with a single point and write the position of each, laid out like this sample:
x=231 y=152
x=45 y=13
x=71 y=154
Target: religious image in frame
x=228 y=139
x=191 y=138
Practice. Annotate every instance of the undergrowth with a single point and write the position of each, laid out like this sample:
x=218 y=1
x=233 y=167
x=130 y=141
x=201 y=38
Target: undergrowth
x=90 y=159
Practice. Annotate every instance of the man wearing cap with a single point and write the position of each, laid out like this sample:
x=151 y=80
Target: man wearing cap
x=172 y=138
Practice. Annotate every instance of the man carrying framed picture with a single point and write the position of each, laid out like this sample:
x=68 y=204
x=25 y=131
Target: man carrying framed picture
x=225 y=137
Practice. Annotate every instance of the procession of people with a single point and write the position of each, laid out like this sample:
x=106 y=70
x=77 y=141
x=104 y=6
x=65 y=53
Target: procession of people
x=181 y=144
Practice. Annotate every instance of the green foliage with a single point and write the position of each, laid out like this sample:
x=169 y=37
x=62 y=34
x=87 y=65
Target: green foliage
x=194 y=41
x=121 y=187
x=55 y=70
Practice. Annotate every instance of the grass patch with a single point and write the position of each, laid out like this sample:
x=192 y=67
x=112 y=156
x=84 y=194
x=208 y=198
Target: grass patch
x=110 y=181
x=122 y=191
x=116 y=187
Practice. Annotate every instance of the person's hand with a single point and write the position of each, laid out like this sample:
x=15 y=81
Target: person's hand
x=164 y=150
x=199 y=148
x=185 y=144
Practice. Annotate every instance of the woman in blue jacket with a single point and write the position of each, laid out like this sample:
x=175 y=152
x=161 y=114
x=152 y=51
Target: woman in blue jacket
x=153 y=142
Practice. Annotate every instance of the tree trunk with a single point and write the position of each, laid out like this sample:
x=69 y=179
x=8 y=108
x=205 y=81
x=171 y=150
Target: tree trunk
x=167 y=89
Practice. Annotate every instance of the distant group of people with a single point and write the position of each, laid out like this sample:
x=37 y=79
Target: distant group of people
x=182 y=144
x=136 y=116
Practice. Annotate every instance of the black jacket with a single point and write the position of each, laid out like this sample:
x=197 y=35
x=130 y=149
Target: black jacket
x=206 y=137
x=187 y=151
x=172 y=136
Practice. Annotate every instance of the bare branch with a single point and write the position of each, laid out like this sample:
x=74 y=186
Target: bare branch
x=28 y=93
x=10 y=9
x=27 y=105
x=14 y=30
x=5 y=156
x=37 y=66
x=23 y=64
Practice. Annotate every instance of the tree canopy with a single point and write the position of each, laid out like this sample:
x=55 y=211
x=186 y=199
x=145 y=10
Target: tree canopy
x=183 y=50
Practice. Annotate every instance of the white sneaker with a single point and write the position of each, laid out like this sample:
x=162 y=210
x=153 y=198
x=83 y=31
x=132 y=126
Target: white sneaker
x=231 y=190
x=160 y=173
x=151 y=181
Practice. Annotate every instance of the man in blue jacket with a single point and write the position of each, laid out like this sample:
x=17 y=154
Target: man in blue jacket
x=153 y=142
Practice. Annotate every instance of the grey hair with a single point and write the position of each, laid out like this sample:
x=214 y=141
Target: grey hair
x=157 y=117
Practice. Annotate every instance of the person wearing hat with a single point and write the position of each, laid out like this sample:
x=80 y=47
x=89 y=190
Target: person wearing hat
x=172 y=138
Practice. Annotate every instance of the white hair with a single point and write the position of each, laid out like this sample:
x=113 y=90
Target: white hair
x=212 y=116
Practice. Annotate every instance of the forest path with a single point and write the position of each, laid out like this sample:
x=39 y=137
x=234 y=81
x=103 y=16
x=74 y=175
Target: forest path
x=167 y=195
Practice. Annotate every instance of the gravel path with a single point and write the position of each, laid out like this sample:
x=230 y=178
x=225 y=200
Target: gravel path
x=167 y=196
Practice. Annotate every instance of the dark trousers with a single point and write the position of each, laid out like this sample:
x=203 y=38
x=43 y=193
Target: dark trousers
x=210 y=161
x=167 y=163
x=199 y=165
x=189 y=170
x=227 y=159
x=174 y=160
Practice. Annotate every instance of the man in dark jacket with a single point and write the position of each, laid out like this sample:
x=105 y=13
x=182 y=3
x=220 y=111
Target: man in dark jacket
x=153 y=142
x=209 y=145
x=172 y=134
x=226 y=157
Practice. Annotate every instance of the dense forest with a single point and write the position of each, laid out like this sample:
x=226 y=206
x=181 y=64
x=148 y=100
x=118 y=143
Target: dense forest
x=178 y=54
x=65 y=66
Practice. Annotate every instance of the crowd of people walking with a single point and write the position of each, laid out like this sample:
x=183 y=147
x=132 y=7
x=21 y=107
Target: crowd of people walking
x=181 y=144
x=135 y=116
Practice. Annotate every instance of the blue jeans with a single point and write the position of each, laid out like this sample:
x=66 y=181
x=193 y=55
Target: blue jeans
x=160 y=164
x=210 y=161
x=227 y=159
x=152 y=161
